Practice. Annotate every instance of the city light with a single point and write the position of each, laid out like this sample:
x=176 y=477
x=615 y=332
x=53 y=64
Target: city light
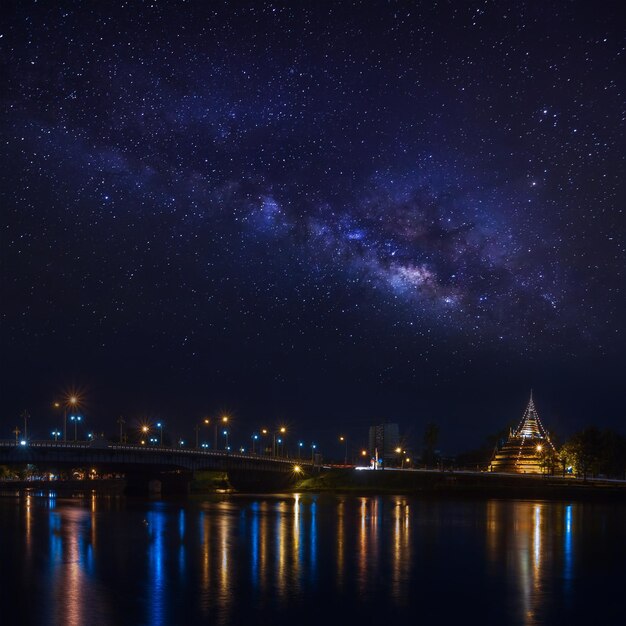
x=75 y=419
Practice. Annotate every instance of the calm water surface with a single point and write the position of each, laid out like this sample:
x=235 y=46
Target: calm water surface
x=307 y=559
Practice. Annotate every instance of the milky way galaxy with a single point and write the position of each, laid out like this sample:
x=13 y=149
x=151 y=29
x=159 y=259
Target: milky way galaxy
x=328 y=208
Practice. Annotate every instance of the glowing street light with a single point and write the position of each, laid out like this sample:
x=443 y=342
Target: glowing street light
x=300 y=444
x=204 y=422
x=224 y=421
x=160 y=427
x=56 y=434
x=282 y=430
x=344 y=440
x=255 y=438
x=313 y=447
x=72 y=402
x=75 y=419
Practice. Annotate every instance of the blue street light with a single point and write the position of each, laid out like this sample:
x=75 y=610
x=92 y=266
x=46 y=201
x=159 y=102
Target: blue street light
x=56 y=434
x=300 y=444
x=226 y=438
x=313 y=446
x=255 y=438
x=75 y=419
x=160 y=427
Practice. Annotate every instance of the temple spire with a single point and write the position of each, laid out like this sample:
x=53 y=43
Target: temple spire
x=530 y=425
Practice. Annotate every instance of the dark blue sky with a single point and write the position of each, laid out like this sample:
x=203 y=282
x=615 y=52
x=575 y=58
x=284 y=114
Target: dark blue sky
x=325 y=214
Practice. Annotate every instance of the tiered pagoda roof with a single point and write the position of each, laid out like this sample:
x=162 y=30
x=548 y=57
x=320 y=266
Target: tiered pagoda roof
x=522 y=452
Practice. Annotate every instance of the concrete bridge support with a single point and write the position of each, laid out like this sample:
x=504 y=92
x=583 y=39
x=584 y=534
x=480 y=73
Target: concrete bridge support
x=142 y=483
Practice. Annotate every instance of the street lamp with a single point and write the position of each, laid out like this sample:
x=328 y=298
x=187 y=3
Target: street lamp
x=160 y=427
x=72 y=401
x=281 y=430
x=205 y=422
x=254 y=440
x=264 y=432
x=75 y=419
x=226 y=438
x=313 y=446
x=300 y=444
x=121 y=421
x=224 y=421
x=344 y=440
x=56 y=434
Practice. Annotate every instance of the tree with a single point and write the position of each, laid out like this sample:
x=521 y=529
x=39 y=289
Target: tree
x=583 y=452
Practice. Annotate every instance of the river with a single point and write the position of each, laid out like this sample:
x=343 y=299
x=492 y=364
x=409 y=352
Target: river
x=309 y=559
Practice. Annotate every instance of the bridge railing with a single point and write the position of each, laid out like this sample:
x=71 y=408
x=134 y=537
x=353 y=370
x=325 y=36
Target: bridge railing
x=126 y=447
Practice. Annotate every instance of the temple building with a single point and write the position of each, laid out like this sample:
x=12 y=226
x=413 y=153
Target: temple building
x=526 y=447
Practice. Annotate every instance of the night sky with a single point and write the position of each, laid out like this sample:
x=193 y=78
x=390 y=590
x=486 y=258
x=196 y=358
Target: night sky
x=323 y=214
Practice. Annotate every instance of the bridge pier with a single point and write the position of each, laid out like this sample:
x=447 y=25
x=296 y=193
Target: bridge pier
x=159 y=483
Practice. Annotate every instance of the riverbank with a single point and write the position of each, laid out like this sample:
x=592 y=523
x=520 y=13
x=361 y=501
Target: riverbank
x=204 y=482
x=463 y=484
x=112 y=486
x=420 y=483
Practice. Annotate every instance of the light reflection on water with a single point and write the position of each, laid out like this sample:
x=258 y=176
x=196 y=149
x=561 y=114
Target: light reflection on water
x=222 y=560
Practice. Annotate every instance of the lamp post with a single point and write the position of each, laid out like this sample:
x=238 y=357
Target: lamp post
x=75 y=419
x=17 y=431
x=72 y=401
x=254 y=440
x=264 y=432
x=224 y=420
x=282 y=431
x=25 y=415
x=226 y=438
x=205 y=422
x=160 y=427
x=300 y=444
x=313 y=446
x=344 y=440
x=56 y=434
x=121 y=421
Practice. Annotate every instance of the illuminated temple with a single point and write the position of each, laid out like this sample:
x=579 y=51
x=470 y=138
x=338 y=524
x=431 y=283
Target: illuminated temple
x=525 y=447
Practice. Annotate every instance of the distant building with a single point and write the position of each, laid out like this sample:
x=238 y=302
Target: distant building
x=385 y=438
x=526 y=449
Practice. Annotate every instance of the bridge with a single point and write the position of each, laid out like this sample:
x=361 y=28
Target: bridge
x=155 y=468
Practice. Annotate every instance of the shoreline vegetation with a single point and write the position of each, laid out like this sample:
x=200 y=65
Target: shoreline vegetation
x=424 y=483
x=464 y=484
